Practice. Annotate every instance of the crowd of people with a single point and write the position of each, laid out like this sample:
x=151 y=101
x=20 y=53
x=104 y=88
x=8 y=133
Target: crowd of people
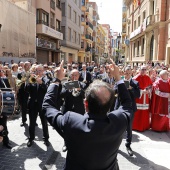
x=146 y=85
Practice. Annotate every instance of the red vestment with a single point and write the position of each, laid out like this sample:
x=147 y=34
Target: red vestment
x=141 y=116
x=159 y=106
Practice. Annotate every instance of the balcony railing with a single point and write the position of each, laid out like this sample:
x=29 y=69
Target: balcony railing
x=82 y=19
x=124 y=9
x=89 y=37
x=58 y=29
x=150 y=19
x=52 y=4
x=124 y=20
x=52 y=26
x=42 y=22
x=83 y=3
x=90 y=25
x=46 y=44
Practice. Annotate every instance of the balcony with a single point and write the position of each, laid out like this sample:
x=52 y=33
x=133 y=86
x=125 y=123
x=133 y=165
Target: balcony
x=52 y=4
x=47 y=31
x=124 y=20
x=58 y=29
x=88 y=49
x=124 y=9
x=150 y=20
x=42 y=22
x=89 y=37
x=46 y=44
x=52 y=26
x=83 y=19
x=90 y=25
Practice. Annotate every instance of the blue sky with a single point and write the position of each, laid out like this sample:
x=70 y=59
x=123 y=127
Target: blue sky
x=110 y=12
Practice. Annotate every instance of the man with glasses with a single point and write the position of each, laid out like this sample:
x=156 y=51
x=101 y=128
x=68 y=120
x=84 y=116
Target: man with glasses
x=37 y=91
x=141 y=117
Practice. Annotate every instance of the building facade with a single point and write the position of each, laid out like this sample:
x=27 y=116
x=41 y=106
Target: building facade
x=85 y=53
x=17 y=33
x=71 y=29
x=48 y=24
x=108 y=41
x=148 y=31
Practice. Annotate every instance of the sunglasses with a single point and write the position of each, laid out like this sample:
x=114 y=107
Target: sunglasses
x=143 y=69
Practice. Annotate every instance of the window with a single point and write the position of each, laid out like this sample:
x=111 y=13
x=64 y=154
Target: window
x=138 y=50
x=58 y=23
x=58 y=3
x=63 y=9
x=74 y=16
x=69 y=34
x=42 y=17
x=138 y=21
x=134 y=25
x=74 y=36
x=134 y=46
x=52 y=20
x=143 y=45
x=82 y=44
x=79 y=21
x=63 y=31
x=69 y=11
x=144 y=15
x=79 y=39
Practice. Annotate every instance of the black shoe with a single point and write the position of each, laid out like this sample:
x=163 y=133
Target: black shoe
x=22 y=124
x=7 y=145
x=129 y=150
x=47 y=143
x=30 y=142
x=64 y=148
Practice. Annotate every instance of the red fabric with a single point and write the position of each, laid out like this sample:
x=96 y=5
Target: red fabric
x=160 y=123
x=141 y=120
x=139 y=2
x=159 y=105
x=141 y=117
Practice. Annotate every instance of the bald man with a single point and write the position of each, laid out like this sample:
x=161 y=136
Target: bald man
x=160 y=102
x=92 y=139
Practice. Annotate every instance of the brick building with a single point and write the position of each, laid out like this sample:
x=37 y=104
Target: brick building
x=148 y=30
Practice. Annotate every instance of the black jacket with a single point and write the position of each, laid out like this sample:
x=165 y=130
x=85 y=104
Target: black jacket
x=134 y=93
x=72 y=103
x=92 y=140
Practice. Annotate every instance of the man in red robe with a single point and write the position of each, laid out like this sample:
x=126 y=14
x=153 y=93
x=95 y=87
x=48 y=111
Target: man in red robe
x=159 y=103
x=141 y=117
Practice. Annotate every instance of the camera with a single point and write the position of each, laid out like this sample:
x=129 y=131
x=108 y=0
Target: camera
x=3 y=133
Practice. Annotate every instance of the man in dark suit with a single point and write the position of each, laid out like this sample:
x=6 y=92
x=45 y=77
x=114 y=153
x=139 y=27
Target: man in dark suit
x=134 y=91
x=22 y=94
x=85 y=76
x=4 y=84
x=73 y=98
x=37 y=92
x=93 y=139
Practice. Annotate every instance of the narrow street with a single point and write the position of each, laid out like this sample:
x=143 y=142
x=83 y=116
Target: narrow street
x=151 y=151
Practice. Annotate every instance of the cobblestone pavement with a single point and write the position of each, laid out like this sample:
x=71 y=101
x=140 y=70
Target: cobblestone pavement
x=151 y=151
